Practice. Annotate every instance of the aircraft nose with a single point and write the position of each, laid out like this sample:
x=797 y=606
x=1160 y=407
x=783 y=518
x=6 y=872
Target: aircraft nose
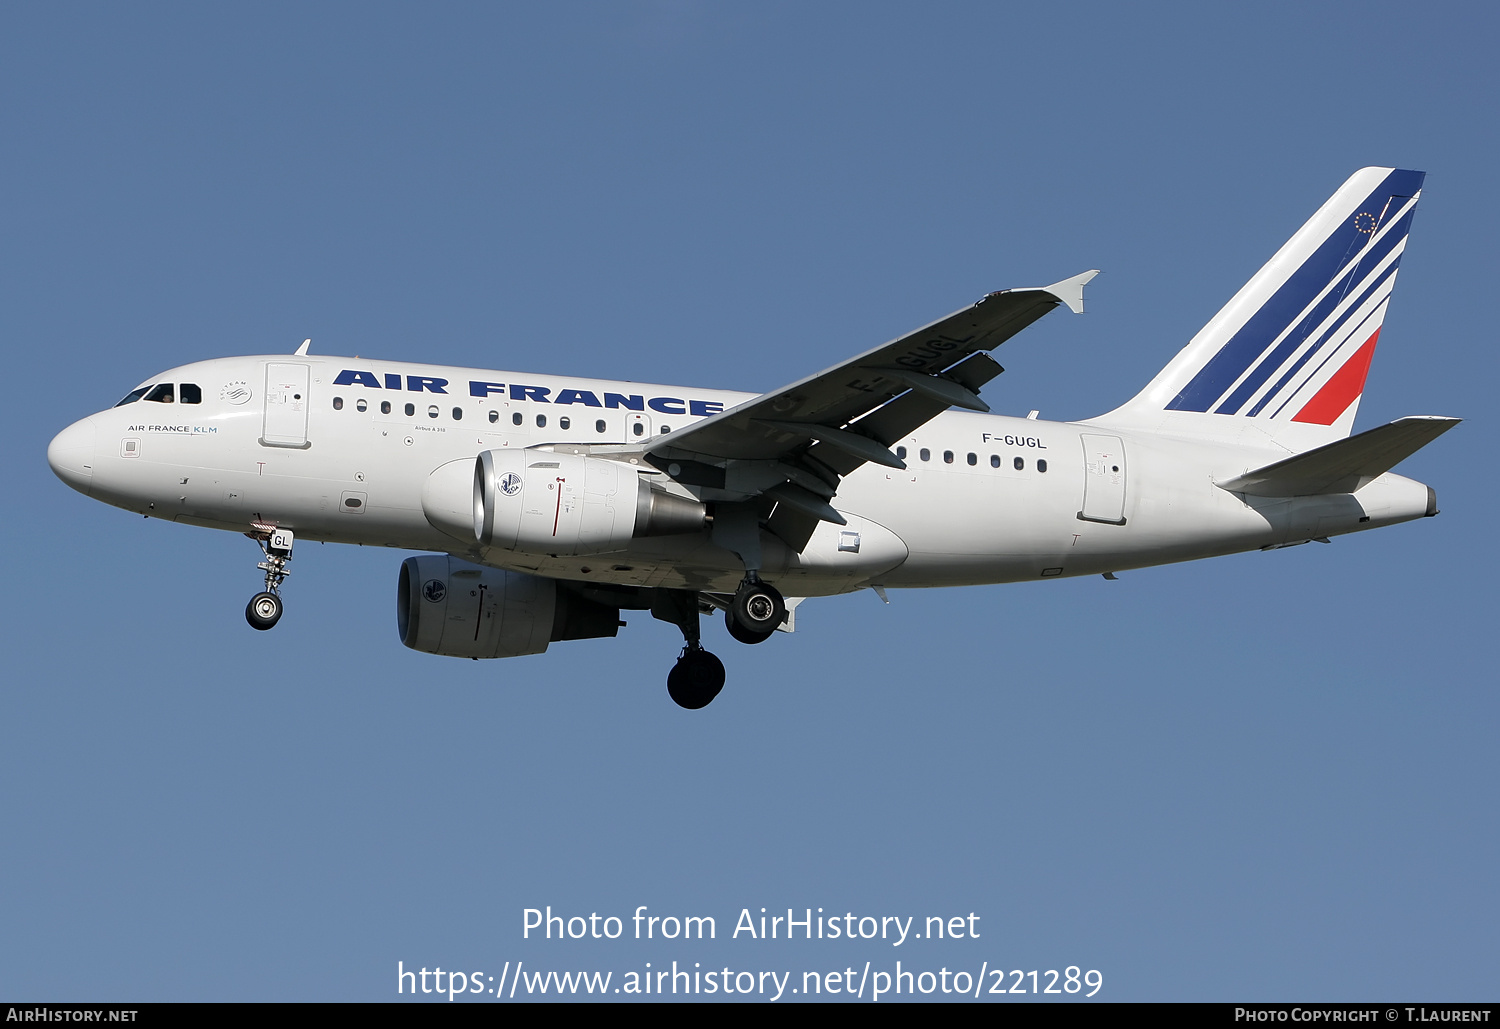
x=71 y=455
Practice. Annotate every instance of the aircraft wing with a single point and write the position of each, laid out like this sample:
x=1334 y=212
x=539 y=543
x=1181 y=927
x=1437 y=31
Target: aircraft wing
x=795 y=443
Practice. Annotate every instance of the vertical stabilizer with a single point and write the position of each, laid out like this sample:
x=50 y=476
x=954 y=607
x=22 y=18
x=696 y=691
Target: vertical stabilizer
x=1285 y=360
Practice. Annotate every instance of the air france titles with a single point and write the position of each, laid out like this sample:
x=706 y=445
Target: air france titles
x=535 y=394
x=175 y=430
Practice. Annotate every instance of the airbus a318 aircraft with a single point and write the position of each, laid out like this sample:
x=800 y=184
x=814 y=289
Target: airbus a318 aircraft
x=552 y=504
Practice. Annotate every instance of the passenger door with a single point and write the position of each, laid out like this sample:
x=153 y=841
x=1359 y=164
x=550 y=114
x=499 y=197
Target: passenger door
x=1103 y=479
x=287 y=401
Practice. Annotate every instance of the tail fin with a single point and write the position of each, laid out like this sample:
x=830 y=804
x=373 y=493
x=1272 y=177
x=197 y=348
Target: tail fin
x=1286 y=358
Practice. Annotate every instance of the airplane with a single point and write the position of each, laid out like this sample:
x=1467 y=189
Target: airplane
x=548 y=505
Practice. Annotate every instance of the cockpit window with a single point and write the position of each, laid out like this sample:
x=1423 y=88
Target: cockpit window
x=133 y=396
x=189 y=393
x=161 y=393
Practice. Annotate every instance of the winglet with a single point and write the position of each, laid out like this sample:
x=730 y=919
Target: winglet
x=1070 y=291
x=302 y=350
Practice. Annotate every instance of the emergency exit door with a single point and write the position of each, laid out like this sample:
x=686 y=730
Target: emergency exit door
x=286 y=406
x=1103 y=479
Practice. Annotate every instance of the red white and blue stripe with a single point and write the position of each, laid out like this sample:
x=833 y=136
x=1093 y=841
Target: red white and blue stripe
x=1295 y=343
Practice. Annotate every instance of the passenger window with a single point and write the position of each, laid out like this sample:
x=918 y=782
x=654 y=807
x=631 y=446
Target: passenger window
x=1041 y=464
x=666 y=428
x=385 y=407
x=973 y=459
x=338 y=403
x=458 y=414
x=541 y=421
x=925 y=454
x=564 y=422
x=994 y=460
x=494 y=416
x=1020 y=463
x=515 y=418
x=161 y=394
x=901 y=453
x=189 y=393
x=133 y=396
x=638 y=429
x=599 y=425
x=432 y=411
x=361 y=406
x=947 y=457
x=411 y=410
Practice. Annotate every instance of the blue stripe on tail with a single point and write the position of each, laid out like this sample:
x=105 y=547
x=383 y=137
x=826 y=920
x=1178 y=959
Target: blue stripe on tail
x=1291 y=299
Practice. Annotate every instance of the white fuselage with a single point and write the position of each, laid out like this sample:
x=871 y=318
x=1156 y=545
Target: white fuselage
x=984 y=499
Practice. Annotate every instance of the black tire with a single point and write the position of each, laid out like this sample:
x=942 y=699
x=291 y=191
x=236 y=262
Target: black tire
x=758 y=608
x=263 y=611
x=742 y=634
x=695 y=680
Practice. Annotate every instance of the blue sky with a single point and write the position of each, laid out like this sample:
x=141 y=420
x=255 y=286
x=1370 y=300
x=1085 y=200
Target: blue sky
x=1263 y=777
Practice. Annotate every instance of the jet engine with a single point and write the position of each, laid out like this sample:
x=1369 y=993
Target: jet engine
x=546 y=503
x=451 y=607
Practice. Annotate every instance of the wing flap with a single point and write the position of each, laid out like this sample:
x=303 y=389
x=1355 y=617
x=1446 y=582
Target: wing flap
x=1345 y=466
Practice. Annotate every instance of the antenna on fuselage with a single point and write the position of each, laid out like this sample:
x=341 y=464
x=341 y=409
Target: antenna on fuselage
x=302 y=350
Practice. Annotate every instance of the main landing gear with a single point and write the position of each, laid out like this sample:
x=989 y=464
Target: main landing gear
x=696 y=679
x=264 y=609
x=742 y=634
x=698 y=676
x=755 y=612
x=751 y=617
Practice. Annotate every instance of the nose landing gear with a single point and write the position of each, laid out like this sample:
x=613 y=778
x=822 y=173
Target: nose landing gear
x=264 y=609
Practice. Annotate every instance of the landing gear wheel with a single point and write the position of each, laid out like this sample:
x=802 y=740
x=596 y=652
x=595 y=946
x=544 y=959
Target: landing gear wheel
x=741 y=633
x=696 y=679
x=758 y=608
x=263 y=611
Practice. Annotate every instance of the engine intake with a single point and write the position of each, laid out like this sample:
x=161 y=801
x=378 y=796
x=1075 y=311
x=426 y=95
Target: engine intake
x=544 y=503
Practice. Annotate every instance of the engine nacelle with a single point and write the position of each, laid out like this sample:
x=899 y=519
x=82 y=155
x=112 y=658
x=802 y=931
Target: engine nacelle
x=538 y=502
x=451 y=607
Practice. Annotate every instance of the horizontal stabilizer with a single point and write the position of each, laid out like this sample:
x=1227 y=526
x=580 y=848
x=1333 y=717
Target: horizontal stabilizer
x=1345 y=466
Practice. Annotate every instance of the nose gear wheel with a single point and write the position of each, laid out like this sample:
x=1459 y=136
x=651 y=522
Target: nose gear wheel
x=263 y=611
